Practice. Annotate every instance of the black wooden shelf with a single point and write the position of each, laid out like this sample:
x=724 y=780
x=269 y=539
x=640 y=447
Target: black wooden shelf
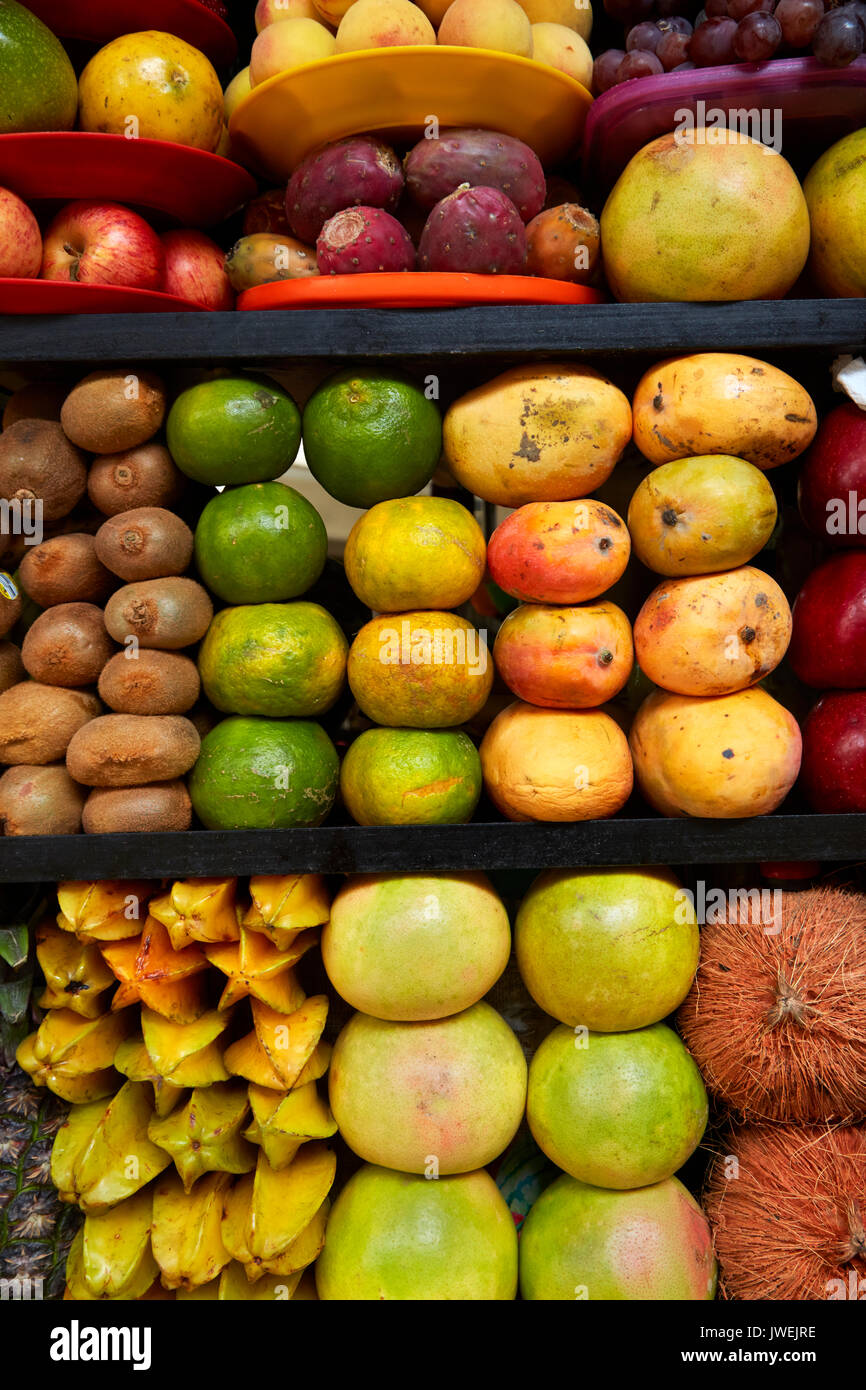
x=268 y=337
x=438 y=849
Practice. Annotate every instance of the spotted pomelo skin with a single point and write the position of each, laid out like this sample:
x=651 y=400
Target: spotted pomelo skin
x=704 y=215
x=399 y=1236
x=415 y=552
x=616 y=1110
x=420 y=670
x=418 y=946
x=835 y=189
x=444 y=1096
x=612 y=950
x=273 y=659
x=649 y=1244
x=411 y=777
x=38 y=87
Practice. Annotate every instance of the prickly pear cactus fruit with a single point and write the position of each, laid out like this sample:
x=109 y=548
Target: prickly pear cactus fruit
x=476 y=230
x=364 y=239
x=358 y=170
x=480 y=158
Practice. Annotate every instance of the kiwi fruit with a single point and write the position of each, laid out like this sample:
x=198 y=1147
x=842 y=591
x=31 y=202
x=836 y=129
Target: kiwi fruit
x=143 y=477
x=126 y=750
x=37 y=461
x=159 y=806
x=154 y=682
x=39 y=400
x=66 y=569
x=145 y=543
x=38 y=721
x=164 y=613
x=113 y=410
x=67 y=645
x=11 y=666
x=40 y=801
x=10 y=611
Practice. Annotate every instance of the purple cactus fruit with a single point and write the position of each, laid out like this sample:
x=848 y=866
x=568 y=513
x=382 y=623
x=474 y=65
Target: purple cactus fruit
x=481 y=158
x=359 y=170
x=358 y=240
x=475 y=229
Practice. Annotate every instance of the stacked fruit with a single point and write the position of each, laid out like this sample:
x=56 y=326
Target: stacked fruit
x=221 y=1051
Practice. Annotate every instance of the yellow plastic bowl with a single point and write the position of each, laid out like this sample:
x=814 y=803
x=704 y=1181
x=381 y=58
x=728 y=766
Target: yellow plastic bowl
x=395 y=92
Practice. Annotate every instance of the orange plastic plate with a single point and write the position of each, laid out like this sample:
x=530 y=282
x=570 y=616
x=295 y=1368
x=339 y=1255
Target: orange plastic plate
x=100 y=21
x=396 y=92
x=18 y=296
x=413 y=289
x=197 y=188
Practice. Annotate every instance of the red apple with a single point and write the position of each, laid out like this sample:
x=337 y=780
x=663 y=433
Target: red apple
x=97 y=243
x=832 y=487
x=833 y=771
x=828 y=644
x=195 y=270
x=20 y=238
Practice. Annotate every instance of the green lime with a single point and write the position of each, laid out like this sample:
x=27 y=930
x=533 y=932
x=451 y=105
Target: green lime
x=411 y=777
x=370 y=436
x=275 y=659
x=234 y=429
x=260 y=544
x=264 y=774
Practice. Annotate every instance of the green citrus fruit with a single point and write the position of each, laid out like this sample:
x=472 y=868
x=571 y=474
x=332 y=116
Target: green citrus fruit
x=274 y=659
x=420 y=670
x=415 y=552
x=38 y=82
x=264 y=774
x=262 y=543
x=370 y=436
x=234 y=429
x=411 y=777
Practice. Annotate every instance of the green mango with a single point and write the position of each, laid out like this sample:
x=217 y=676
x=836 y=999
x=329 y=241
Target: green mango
x=38 y=86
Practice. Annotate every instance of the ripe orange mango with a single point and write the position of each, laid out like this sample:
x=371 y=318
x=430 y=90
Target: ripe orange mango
x=559 y=552
x=565 y=658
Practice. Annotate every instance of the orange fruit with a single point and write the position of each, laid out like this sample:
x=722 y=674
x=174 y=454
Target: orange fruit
x=415 y=552
x=420 y=670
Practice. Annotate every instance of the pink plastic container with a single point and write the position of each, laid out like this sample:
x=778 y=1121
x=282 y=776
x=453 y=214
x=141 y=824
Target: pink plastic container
x=809 y=104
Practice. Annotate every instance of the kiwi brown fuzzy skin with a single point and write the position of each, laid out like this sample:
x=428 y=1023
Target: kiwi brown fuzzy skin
x=158 y=806
x=66 y=569
x=145 y=543
x=67 y=645
x=154 y=682
x=164 y=613
x=11 y=666
x=143 y=477
x=38 y=721
x=38 y=400
x=109 y=411
x=40 y=801
x=129 y=750
x=38 y=463
x=10 y=612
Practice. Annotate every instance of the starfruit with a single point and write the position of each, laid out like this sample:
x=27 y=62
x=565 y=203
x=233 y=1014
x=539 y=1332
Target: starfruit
x=199 y=909
x=107 y=911
x=234 y=1285
x=301 y=1252
x=77 y=1090
x=72 y=1055
x=69 y=1143
x=285 y=1200
x=132 y=1059
x=256 y=967
x=116 y=1258
x=186 y=1054
x=282 y=1123
x=236 y=1212
x=279 y=1149
x=76 y=976
x=153 y=973
x=247 y=1058
x=285 y=905
x=118 y=1159
x=205 y=1135
x=318 y=1064
x=202 y=1293
x=186 y=1230
x=290 y=1039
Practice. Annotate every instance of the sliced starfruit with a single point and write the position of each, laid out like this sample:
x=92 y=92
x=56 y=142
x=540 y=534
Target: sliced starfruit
x=286 y=1200
x=107 y=911
x=77 y=1090
x=116 y=1258
x=133 y=1060
x=198 y=909
x=256 y=967
x=187 y=1054
x=69 y=1143
x=153 y=973
x=236 y=1212
x=118 y=1159
x=71 y=1045
x=247 y=1058
x=290 y=1039
x=204 y=1136
x=186 y=1230
x=76 y=976
x=234 y=1285
x=285 y=905
x=303 y=1250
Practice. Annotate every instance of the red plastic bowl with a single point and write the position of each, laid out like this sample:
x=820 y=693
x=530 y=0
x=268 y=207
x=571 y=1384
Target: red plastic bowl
x=414 y=289
x=100 y=21
x=19 y=296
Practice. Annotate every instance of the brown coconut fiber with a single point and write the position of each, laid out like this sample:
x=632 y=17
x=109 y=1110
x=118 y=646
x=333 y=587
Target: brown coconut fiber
x=776 y=1021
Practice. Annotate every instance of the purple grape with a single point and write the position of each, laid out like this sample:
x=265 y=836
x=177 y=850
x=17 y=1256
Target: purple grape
x=638 y=64
x=757 y=37
x=645 y=36
x=675 y=24
x=713 y=43
x=799 y=19
x=673 y=50
x=604 y=69
x=738 y=9
x=838 y=39
x=716 y=9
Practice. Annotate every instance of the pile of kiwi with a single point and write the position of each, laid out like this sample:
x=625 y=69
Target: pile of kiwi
x=96 y=691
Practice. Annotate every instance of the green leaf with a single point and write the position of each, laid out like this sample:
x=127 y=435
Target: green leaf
x=14 y=945
x=14 y=998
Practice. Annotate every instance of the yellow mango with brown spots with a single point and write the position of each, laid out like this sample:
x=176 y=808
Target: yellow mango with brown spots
x=722 y=403
x=153 y=86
